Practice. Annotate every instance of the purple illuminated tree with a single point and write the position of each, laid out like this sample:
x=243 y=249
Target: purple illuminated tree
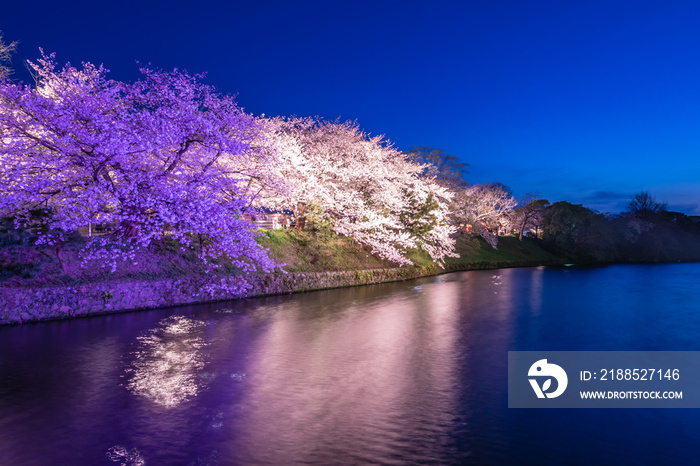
x=162 y=155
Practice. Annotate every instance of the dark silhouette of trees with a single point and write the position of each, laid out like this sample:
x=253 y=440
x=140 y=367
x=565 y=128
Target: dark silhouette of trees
x=643 y=205
x=646 y=233
x=564 y=228
x=6 y=51
x=447 y=170
x=530 y=214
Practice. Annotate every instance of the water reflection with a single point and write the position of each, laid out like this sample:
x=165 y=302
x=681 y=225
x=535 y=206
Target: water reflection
x=167 y=364
x=404 y=373
x=378 y=379
x=535 y=290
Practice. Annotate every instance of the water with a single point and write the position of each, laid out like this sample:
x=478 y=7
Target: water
x=405 y=373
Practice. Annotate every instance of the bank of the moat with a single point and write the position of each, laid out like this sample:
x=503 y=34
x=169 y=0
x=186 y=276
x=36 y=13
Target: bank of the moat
x=29 y=304
x=42 y=285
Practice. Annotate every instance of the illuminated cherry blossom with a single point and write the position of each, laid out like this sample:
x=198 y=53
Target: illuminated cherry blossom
x=366 y=189
x=162 y=155
x=486 y=207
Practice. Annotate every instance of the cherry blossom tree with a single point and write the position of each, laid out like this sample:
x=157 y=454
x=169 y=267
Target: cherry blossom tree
x=364 y=187
x=487 y=207
x=165 y=153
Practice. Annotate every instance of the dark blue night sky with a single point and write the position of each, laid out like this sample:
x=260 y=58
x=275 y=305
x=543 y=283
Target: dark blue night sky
x=587 y=102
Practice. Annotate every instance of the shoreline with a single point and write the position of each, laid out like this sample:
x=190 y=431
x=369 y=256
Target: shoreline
x=60 y=302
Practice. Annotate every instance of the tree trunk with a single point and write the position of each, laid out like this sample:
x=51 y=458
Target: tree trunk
x=126 y=229
x=59 y=256
x=301 y=216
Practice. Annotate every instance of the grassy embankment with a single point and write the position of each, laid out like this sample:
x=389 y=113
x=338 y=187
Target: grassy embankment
x=304 y=252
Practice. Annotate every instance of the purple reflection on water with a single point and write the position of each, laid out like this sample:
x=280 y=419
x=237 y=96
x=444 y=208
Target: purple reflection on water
x=400 y=373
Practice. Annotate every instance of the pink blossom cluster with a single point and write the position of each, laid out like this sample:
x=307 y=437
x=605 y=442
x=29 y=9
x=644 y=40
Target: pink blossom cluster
x=488 y=207
x=363 y=186
x=164 y=155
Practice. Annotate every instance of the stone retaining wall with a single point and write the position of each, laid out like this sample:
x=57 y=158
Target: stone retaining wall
x=18 y=305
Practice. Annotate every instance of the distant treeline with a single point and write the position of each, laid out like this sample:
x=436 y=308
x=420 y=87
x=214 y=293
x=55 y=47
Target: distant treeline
x=647 y=232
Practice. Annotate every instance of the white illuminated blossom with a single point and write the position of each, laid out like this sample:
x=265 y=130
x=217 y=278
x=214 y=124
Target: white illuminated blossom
x=486 y=207
x=364 y=187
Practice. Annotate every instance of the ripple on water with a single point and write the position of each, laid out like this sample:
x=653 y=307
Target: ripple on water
x=124 y=457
